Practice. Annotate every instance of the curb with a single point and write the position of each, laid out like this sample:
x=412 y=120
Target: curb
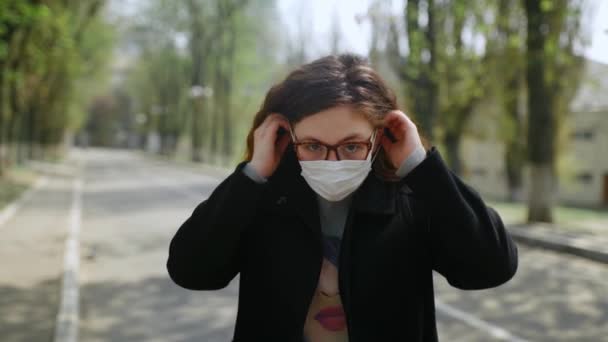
x=43 y=170
x=545 y=236
x=11 y=208
x=67 y=320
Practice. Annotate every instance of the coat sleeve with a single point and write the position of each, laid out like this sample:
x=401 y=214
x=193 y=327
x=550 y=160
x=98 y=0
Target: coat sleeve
x=469 y=244
x=204 y=253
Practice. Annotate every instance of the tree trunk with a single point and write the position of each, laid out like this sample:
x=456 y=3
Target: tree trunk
x=218 y=100
x=514 y=168
x=423 y=88
x=452 y=145
x=2 y=121
x=541 y=119
x=516 y=145
x=541 y=195
x=196 y=138
x=227 y=91
x=197 y=43
x=433 y=86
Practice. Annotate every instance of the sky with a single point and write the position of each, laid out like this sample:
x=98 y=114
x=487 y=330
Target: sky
x=318 y=15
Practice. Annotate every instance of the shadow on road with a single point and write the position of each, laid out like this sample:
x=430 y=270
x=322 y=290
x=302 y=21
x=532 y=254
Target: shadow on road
x=547 y=300
x=155 y=309
x=28 y=313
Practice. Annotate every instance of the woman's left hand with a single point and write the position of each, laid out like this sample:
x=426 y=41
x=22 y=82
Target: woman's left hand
x=406 y=134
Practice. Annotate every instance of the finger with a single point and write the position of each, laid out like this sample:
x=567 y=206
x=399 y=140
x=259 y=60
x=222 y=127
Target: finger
x=286 y=127
x=394 y=117
x=262 y=127
x=267 y=124
x=386 y=144
x=274 y=117
x=273 y=128
x=401 y=113
x=408 y=121
x=397 y=128
x=386 y=133
x=282 y=144
x=277 y=116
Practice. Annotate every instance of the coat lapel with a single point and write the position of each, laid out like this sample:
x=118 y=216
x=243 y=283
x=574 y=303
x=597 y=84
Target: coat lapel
x=374 y=197
x=291 y=189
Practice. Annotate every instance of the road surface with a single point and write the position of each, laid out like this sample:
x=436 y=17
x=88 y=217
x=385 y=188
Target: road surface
x=131 y=207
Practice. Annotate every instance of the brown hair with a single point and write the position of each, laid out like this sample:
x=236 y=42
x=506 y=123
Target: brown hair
x=334 y=80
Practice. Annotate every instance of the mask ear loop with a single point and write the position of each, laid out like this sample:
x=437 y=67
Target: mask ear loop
x=293 y=140
x=373 y=141
x=293 y=137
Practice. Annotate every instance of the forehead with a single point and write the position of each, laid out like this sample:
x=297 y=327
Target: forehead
x=333 y=124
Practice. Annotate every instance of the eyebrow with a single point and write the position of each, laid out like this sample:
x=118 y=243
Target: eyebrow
x=348 y=137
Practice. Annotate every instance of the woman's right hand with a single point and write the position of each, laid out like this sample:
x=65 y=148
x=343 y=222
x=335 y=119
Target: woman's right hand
x=267 y=150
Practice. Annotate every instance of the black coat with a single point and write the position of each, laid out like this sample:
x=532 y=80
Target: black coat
x=396 y=233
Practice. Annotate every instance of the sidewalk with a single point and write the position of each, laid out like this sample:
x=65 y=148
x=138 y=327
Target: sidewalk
x=560 y=239
x=33 y=229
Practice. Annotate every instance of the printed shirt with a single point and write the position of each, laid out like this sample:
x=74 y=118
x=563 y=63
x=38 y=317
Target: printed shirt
x=325 y=320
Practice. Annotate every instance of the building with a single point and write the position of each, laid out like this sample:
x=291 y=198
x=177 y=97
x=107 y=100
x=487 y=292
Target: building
x=589 y=139
x=582 y=165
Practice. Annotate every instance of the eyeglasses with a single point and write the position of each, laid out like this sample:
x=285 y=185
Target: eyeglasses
x=349 y=150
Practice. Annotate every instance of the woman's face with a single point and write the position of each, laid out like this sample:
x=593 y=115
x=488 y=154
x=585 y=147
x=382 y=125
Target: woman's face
x=334 y=125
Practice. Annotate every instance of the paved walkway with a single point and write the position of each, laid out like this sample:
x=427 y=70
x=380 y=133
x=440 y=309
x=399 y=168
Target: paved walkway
x=31 y=257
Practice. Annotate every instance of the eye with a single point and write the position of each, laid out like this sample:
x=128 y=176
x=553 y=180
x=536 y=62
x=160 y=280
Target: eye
x=352 y=148
x=313 y=147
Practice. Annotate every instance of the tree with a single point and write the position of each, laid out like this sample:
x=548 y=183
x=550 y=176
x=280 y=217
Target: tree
x=45 y=49
x=198 y=47
x=552 y=30
x=217 y=55
x=463 y=69
x=507 y=50
x=418 y=69
x=442 y=72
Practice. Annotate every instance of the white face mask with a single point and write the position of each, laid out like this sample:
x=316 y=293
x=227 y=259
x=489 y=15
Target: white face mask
x=336 y=179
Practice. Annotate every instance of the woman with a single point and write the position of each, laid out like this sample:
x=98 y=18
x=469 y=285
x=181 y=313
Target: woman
x=337 y=217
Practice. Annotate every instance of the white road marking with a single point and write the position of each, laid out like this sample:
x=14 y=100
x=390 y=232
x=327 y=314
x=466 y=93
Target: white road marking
x=10 y=210
x=66 y=329
x=491 y=329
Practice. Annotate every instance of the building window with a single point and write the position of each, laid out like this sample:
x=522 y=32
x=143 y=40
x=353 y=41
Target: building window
x=479 y=172
x=583 y=134
x=584 y=177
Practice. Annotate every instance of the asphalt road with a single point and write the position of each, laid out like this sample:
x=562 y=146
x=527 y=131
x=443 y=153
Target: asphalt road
x=131 y=207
